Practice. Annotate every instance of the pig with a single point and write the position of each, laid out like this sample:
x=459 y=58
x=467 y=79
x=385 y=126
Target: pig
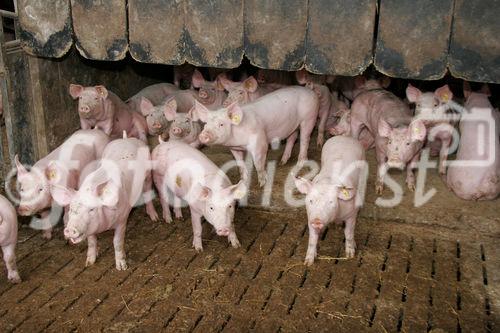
x=251 y=127
x=183 y=75
x=477 y=182
x=303 y=76
x=351 y=87
x=8 y=238
x=182 y=127
x=210 y=94
x=106 y=197
x=102 y=109
x=432 y=109
x=35 y=186
x=273 y=76
x=246 y=91
x=331 y=195
x=325 y=102
x=155 y=94
x=398 y=138
x=156 y=120
x=190 y=175
x=343 y=127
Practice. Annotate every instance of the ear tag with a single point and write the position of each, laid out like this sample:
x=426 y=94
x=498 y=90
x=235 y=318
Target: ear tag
x=345 y=192
x=446 y=98
x=239 y=194
x=416 y=130
x=236 y=119
x=52 y=175
x=178 y=181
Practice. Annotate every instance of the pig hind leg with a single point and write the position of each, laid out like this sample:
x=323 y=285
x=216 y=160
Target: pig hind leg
x=177 y=208
x=290 y=142
x=312 y=246
x=306 y=128
x=197 y=229
x=148 y=194
x=323 y=116
x=119 y=245
x=163 y=194
x=9 y=257
x=350 y=244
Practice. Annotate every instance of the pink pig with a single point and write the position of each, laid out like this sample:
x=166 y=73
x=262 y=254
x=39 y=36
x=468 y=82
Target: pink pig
x=343 y=127
x=325 y=101
x=190 y=175
x=155 y=93
x=182 y=127
x=106 y=197
x=246 y=91
x=432 y=109
x=331 y=195
x=251 y=127
x=8 y=238
x=398 y=139
x=100 y=108
x=477 y=182
x=210 y=94
x=73 y=156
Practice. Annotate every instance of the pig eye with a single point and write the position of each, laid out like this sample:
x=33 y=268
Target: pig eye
x=407 y=143
x=310 y=201
x=40 y=189
x=221 y=125
x=230 y=206
x=186 y=121
x=211 y=208
x=435 y=104
x=418 y=105
x=390 y=141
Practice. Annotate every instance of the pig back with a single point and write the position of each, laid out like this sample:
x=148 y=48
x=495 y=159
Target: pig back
x=339 y=154
x=155 y=93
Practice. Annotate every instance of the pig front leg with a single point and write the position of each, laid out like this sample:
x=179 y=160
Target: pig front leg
x=119 y=245
x=239 y=157
x=306 y=128
x=410 y=176
x=106 y=126
x=290 y=142
x=381 y=170
x=312 y=246
x=9 y=257
x=162 y=193
x=92 y=251
x=321 y=127
x=350 y=244
x=233 y=239
x=46 y=225
x=196 y=222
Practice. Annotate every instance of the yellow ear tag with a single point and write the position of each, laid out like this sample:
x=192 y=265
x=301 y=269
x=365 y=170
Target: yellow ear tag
x=52 y=175
x=446 y=98
x=236 y=119
x=345 y=192
x=105 y=190
x=239 y=194
x=416 y=130
x=178 y=181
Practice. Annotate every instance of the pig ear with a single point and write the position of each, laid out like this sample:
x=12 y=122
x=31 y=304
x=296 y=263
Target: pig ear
x=385 y=82
x=218 y=81
x=170 y=109
x=21 y=170
x=102 y=91
x=301 y=76
x=303 y=185
x=238 y=191
x=198 y=112
x=146 y=106
x=225 y=82
x=250 y=84
x=205 y=193
x=384 y=129
x=346 y=193
x=444 y=94
x=62 y=195
x=75 y=90
x=108 y=192
x=54 y=172
x=412 y=93
x=197 y=79
x=235 y=113
x=417 y=130
x=485 y=89
x=467 y=89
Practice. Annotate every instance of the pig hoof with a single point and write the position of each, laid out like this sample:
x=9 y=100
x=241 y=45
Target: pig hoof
x=411 y=187
x=309 y=261
x=153 y=215
x=47 y=234
x=198 y=248
x=379 y=188
x=284 y=160
x=168 y=219
x=121 y=265
x=14 y=277
x=90 y=261
x=235 y=243
x=178 y=214
x=350 y=252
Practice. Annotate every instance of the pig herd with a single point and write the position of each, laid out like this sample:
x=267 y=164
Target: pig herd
x=106 y=168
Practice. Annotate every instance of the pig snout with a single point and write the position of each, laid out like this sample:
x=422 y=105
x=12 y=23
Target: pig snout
x=24 y=210
x=156 y=125
x=223 y=232
x=84 y=109
x=176 y=130
x=205 y=137
x=203 y=93
x=395 y=163
x=317 y=224
x=73 y=234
